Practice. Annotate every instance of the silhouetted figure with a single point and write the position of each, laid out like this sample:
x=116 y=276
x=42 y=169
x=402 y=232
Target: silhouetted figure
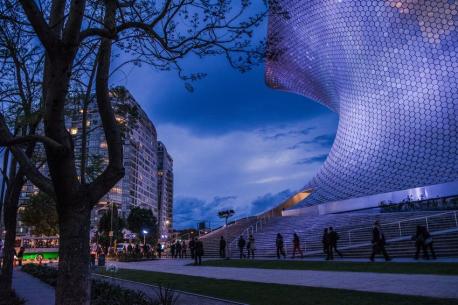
x=325 y=242
x=172 y=249
x=20 y=256
x=183 y=249
x=241 y=244
x=279 y=243
x=178 y=250
x=159 y=250
x=222 y=247
x=424 y=242
x=429 y=243
x=192 y=247
x=199 y=252
x=333 y=237
x=251 y=247
x=297 y=246
x=378 y=242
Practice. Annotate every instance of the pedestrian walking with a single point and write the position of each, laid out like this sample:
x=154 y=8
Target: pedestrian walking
x=178 y=250
x=20 y=256
x=222 y=247
x=280 y=244
x=333 y=237
x=159 y=250
x=378 y=242
x=183 y=249
x=325 y=242
x=297 y=245
x=251 y=247
x=192 y=247
x=241 y=244
x=423 y=242
x=199 y=252
x=172 y=249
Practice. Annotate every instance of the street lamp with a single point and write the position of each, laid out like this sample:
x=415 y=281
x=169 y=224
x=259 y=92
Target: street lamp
x=145 y=232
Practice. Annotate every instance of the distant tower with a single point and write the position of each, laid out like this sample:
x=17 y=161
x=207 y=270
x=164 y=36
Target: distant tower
x=164 y=191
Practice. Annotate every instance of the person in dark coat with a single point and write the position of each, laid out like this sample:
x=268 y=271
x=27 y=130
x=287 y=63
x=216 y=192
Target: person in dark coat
x=241 y=244
x=423 y=242
x=159 y=250
x=192 y=247
x=428 y=243
x=251 y=247
x=222 y=247
x=325 y=242
x=20 y=256
x=297 y=246
x=378 y=242
x=199 y=252
x=178 y=253
x=183 y=249
x=172 y=250
x=333 y=237
x=280 y=244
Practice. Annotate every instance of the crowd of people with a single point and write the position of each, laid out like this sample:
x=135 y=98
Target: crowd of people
x=423 y=243
x=179 y=249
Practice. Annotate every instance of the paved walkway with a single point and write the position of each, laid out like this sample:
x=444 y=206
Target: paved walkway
x=34 y=291
x=420 y=285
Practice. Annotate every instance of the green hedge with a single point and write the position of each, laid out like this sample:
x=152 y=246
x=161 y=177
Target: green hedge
x=102 y=293
x=12 y=299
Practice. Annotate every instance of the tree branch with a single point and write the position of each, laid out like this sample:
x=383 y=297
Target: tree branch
x=32 y=173
x=32 y=138
x=47 y=37
x=115 y=169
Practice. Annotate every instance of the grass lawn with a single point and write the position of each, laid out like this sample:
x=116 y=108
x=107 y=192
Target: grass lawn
x=382 y=267
x=273 y=294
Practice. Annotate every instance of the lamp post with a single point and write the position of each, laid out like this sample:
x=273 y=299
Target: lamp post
x=226 y=215
x=145 y=232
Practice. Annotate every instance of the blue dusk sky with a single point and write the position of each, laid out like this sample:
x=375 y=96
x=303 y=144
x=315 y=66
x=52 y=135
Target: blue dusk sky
x=236 y=143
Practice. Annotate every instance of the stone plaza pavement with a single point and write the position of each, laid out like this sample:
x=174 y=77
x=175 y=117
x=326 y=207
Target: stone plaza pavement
x=32 y=290
x=437 y=286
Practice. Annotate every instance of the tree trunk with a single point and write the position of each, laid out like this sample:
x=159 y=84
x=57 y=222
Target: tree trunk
x=10 y=217
x=74 y=279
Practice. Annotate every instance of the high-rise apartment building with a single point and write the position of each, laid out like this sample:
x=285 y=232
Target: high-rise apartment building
x=139 y=187
x=165 y=191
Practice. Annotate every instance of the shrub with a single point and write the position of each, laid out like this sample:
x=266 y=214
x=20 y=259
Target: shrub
x=44 y=273
x=103 y=293
x=12 y=299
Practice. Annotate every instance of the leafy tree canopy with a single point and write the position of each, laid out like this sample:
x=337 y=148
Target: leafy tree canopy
x=142 y=219
x=40 y=214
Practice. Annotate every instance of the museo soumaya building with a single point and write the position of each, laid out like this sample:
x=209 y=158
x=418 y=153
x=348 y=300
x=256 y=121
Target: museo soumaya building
x=389 y=69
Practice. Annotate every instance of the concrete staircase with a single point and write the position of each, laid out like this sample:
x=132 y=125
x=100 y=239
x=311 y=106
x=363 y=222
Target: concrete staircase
x=230 y=233
x=355 y=230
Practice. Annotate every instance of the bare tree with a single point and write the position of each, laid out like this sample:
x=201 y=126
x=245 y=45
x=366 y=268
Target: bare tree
x=158 y=33
x=20 y=92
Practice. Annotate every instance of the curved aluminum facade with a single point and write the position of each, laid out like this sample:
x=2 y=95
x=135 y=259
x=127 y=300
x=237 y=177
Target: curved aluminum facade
x=389 y=68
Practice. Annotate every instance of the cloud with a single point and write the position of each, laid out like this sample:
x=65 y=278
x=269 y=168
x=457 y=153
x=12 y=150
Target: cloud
x=315 y=159
x=268 y=201
x=325 y=140
x=232 y=170
x=189 y=211
x=301 y=132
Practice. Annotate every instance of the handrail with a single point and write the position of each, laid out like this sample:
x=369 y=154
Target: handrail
x=406 y=220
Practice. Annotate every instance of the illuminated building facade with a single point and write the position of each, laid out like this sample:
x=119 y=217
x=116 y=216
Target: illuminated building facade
x=165 y=192
x=139 y=187
x=389 y=69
